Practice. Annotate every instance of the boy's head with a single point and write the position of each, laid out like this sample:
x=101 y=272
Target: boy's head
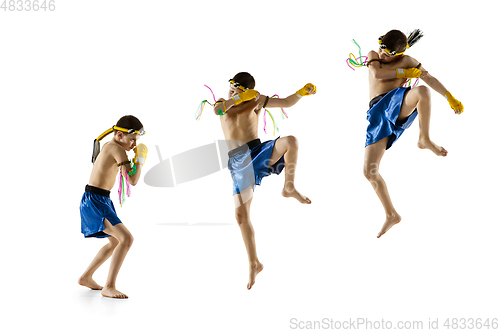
x=240 y=82
x=392 y=45
x=127 y=131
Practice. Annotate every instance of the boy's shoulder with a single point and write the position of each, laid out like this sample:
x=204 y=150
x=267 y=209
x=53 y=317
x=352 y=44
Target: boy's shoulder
x=410 y=61
x=111 y=150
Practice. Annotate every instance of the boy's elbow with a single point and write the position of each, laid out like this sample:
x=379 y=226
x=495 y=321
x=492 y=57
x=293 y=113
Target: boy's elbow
x=289 y=102
x=376 y=74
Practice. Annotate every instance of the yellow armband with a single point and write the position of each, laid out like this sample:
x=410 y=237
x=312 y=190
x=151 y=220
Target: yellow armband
x=245 y=96
x=408 y=73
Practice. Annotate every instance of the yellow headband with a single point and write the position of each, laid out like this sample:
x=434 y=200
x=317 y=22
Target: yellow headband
x=237 y=85
x=384 y=47
x=125 y=130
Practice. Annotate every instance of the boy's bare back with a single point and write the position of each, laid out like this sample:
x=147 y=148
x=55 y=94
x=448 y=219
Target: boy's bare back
x=241 y=124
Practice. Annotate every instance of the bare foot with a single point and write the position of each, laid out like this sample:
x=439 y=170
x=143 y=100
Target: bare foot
x=428 y=144
x=254 y=270
x=89 y=282
x=389 y=222
x=295 y=194
x=112 y=293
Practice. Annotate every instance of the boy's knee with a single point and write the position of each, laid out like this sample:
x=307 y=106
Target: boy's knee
x=293 y=142
x=424 y=92
x=127 y=240
x=367 y=174
x=113 y=242
x=370 y=173
x=241 y=218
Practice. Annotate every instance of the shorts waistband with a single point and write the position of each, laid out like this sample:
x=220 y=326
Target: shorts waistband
x=243 y=148
x=97 y=190
x=374 y=100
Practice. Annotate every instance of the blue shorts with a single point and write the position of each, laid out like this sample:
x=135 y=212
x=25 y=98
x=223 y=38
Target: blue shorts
x=249 y=163
x=383 y=115
x=94 y=208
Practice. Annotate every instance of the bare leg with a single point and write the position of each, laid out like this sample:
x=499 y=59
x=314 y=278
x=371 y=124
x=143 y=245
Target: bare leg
x=288 y=147
x=103 y=255
x=420 y=98
x=373 y=156
x=125 y=240
x=242 y=213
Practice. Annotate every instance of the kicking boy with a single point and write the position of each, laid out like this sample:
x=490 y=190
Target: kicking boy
x=249 y=159
x=393 y=109
x=97 y=212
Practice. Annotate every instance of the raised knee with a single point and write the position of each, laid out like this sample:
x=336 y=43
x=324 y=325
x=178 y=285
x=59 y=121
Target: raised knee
x=424 y=92
x=293 y=142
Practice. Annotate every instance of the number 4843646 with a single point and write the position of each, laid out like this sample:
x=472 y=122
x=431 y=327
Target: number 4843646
x=28 y=5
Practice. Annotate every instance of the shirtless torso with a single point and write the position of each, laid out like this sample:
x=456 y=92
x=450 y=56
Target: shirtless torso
x=105 y=166
x=380 y=86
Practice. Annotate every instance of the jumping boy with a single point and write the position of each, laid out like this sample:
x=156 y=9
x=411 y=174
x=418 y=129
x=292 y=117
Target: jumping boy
x=393 y=109
x=98 y=215
x=249 y=159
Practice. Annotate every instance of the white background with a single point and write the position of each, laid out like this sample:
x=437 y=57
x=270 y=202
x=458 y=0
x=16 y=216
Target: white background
x=68 y=75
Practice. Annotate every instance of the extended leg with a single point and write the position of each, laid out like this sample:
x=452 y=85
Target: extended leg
x=373 y=156
x=242 y=213
x=420 y=98
x=103 y=255
x=125 y=240
x=288 y=147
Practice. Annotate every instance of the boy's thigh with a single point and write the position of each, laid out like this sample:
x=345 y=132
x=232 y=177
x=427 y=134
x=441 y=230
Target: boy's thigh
x=280 y=148
x=118 y=231
x=410 y=101
x=375 y=152
x=243 y=199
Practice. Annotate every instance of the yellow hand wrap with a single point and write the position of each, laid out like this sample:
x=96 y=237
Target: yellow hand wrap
x=245 y=96
x=304 y=91
x=408 y=73
x=141 y=152
x=454 y=103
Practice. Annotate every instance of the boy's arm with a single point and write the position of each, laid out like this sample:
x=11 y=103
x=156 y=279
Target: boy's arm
x=438 y=87
x=222 y=106
x=120 y=156
x=308 y=89
x=373 y=64
x=427 y=78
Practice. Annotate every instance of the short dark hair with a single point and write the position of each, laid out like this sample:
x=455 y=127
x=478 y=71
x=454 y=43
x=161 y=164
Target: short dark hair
x=245 y=79
x=395 y=40
x=129 y=122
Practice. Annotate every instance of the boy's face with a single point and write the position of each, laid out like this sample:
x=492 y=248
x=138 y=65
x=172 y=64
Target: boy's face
x=233 y=91
x=384 y=56
x=127 y=141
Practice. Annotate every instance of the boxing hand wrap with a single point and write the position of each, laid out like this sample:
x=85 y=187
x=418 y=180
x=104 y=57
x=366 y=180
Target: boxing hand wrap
x=245 y=96
x=141 y=152
x=304 y=91
x=408 y=73
x=222 y=111
x=454 y=103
